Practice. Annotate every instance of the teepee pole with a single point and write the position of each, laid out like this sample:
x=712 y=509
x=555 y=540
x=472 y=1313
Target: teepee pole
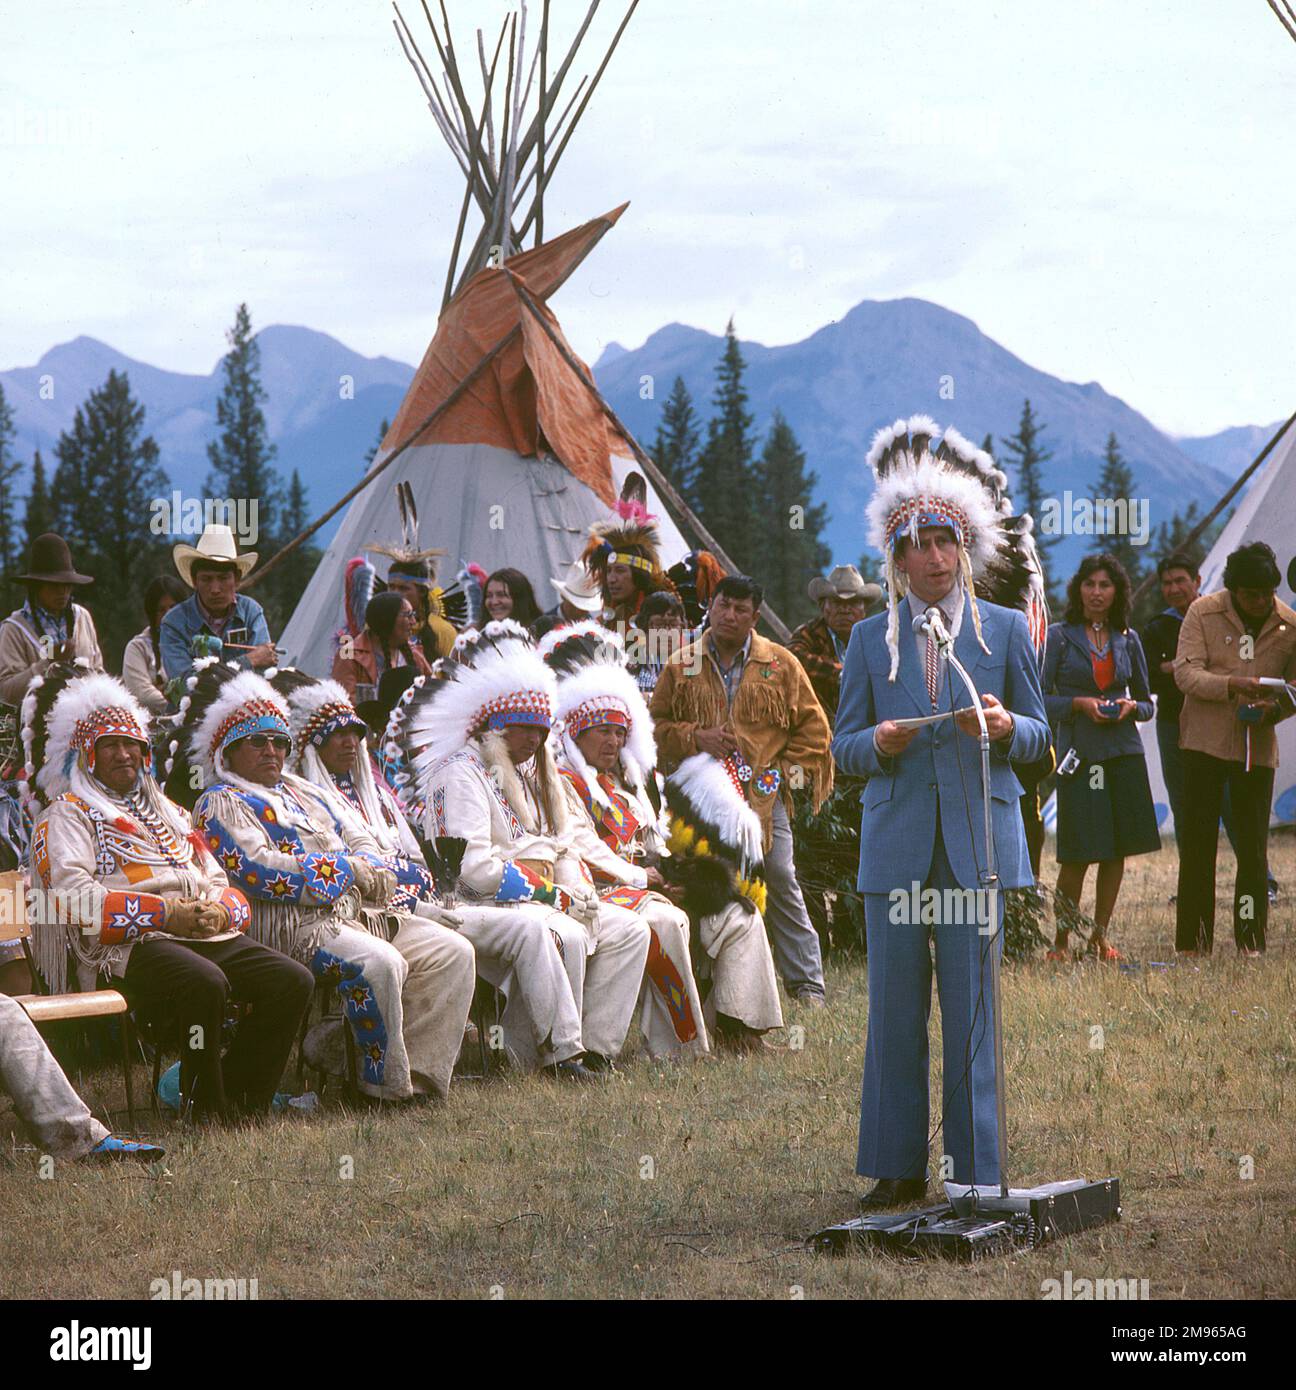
x=1194 y=535
x=658 y=479
x=544 y=105
x=580 y=111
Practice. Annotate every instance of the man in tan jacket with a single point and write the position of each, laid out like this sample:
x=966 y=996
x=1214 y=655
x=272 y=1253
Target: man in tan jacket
x=1229 y=641
x=732 y=692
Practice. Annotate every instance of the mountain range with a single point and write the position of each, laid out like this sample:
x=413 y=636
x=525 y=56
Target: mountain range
x=836 y=387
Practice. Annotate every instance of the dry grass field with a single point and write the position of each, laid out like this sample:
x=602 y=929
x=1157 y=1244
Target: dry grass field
x=700 y=1182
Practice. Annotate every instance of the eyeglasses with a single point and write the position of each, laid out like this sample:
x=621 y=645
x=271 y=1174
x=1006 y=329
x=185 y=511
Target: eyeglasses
x=258 y=741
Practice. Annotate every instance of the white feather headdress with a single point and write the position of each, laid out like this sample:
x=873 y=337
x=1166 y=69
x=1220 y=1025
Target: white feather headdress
x=955 y=485
x=499 y=677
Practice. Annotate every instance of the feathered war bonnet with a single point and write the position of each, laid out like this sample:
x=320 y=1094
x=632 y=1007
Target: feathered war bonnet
x=496 y=678
x=316 y=709
x=630 y=537
x=223 y=703
x=710 y=818
x=594 y=688
x=64 y=714
x=956 y=486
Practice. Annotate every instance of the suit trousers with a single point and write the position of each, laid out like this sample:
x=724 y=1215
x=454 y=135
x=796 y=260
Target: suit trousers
x=792 y=935
x=184 y=986
x=1250 y=795
x=894 y=1118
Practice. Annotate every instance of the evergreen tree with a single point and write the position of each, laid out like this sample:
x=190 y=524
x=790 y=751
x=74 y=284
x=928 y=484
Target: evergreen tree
x=1170 y=536
x=39 y=516
x=1114 y=482
x=789 y=527
x=724 y=471
x=870 y=568
x=69 y=499
x=372 y=452
x=988 y=444
x=1028 y=456
x=113 y=469
x=9 y=467
x=679 y=434
x=242 y=457
x=285 y=586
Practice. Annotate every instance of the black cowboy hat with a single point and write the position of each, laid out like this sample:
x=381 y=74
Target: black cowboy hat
x=392 y=684
x=51 y=563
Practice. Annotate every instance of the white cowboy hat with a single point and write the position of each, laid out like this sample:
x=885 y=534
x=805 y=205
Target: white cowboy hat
x=215 y=544
x=579 y=588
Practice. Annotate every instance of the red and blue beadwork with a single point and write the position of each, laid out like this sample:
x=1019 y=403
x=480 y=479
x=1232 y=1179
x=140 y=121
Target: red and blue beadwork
x=912 y=514
x=255 y=717
x=518 y=707
x=109 y=722
x=594 y=714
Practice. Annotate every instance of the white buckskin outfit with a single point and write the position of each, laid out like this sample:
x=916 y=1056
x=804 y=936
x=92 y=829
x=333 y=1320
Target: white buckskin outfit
x=438 y=991
x=613 y=824
x=570 y=973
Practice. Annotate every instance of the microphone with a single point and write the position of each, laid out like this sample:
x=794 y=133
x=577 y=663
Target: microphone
x=930 y=624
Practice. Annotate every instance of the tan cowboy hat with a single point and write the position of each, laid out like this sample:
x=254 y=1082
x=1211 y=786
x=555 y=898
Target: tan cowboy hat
x=579 y=588
x=844 y=582
x=51 y=563
x=216 y=545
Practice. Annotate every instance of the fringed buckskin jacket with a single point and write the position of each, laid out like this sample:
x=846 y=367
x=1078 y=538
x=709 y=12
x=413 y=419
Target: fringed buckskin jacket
x=105 y=881
x=775 y=716
x=284 y=848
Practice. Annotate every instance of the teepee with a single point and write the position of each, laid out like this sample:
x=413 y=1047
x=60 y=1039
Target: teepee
x=518 y=462
x=510 y=451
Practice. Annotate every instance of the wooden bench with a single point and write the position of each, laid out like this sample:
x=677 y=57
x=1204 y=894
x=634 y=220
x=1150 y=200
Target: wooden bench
x=48 y=1008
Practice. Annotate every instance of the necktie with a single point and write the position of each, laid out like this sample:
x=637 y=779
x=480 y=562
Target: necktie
x=933 y=669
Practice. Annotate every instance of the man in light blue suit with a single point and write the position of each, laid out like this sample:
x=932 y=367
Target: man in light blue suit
x=923 y=824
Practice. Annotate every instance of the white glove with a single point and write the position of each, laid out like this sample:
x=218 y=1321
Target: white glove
x=435 y=913
x=385 y=888
x=585 y=905
x=365 y=877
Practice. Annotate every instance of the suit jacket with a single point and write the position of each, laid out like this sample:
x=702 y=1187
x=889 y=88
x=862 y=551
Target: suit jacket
x=909 y=795
x=1068 y=672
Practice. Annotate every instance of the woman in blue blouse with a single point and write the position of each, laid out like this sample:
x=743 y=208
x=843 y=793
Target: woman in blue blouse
x=1095 y=689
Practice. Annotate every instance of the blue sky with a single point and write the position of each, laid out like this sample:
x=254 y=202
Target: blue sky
x=1103 y=187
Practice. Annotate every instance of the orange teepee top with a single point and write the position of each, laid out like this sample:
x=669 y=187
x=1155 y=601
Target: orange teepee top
x=527 y=399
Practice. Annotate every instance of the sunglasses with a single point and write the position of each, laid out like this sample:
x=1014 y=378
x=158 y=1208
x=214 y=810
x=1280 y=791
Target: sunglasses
x=258 y=741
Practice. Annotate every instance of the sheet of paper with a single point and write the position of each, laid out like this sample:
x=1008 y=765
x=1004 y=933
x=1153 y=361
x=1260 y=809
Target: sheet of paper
x=918 y=722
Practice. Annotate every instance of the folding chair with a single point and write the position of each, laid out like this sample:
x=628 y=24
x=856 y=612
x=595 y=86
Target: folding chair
x=325 y=995
x=45 y=1008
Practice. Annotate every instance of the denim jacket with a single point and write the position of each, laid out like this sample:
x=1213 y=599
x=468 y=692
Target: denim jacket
x=185 y=621
x=1068 y=672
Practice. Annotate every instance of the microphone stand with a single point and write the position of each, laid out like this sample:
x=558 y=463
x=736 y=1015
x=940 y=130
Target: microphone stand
x=989 y=881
